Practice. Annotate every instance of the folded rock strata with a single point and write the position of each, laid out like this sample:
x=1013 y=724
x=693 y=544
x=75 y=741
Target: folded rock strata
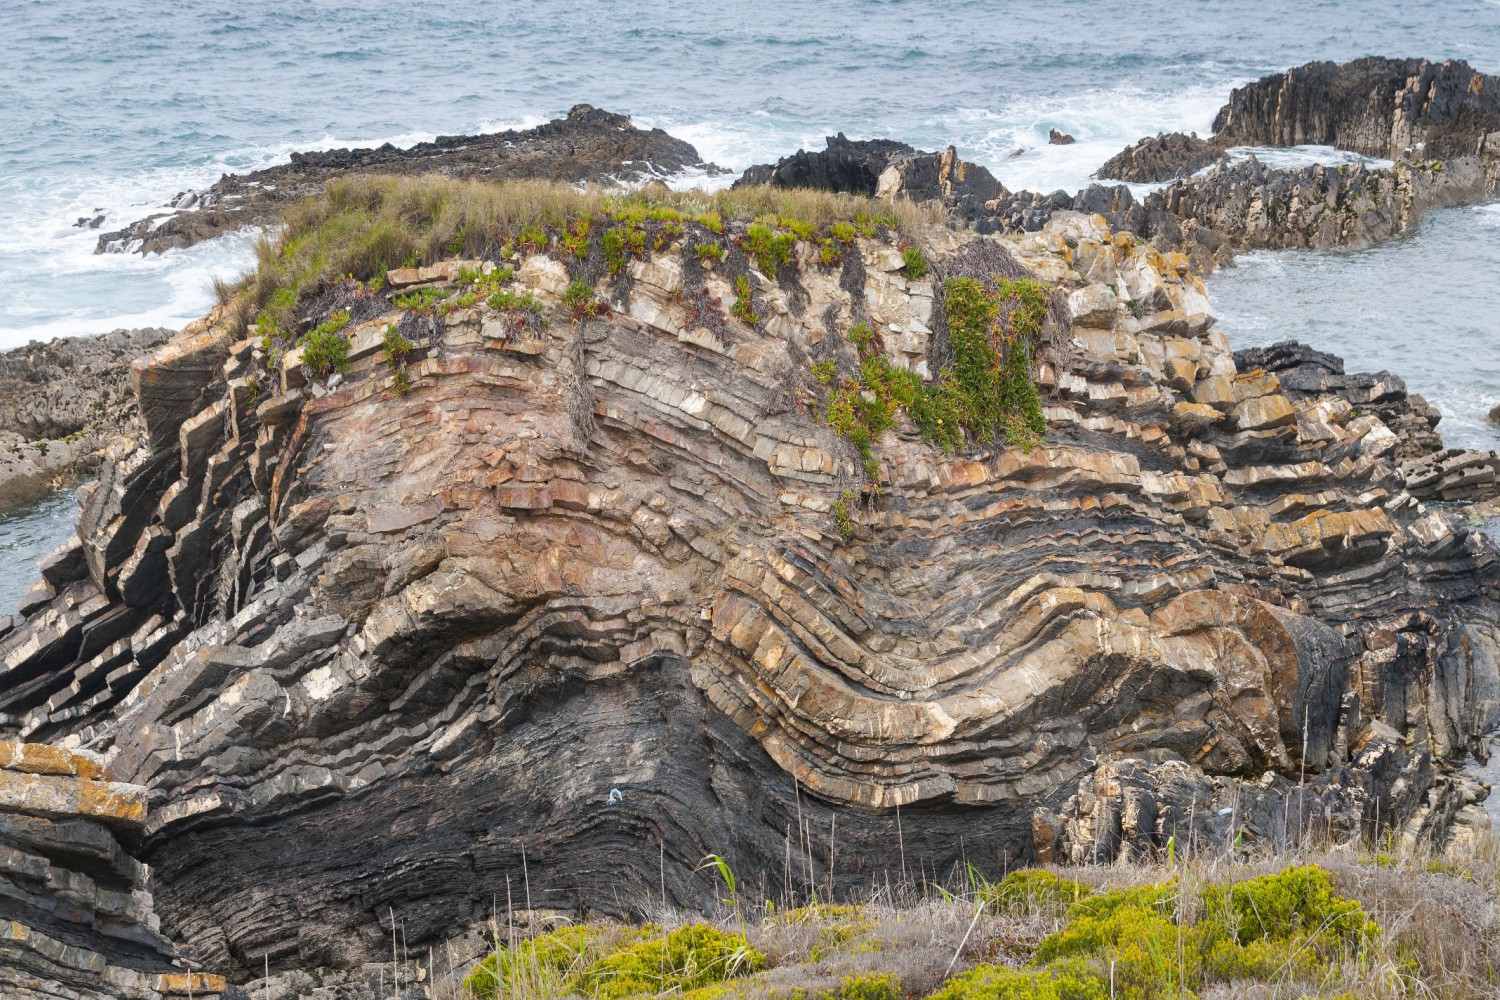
x=574 y=611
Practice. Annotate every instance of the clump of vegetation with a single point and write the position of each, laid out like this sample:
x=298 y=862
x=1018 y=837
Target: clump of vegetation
x=866 y=986
x=580 y=298
x=690 y=957
x=823 y=371
x=770 y=250
x=422 y=299
x=397 y=349
x=914 y=265
x=987 y=391
x=996 y=982
x=743 y=307
x=1033 y=890
x=325 y=349
x=710 y=252
x=842 y=516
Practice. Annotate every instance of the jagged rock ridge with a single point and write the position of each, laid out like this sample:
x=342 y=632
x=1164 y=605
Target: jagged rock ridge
x=374 y=653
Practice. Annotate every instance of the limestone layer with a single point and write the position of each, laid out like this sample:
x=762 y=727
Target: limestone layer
x=575 y=610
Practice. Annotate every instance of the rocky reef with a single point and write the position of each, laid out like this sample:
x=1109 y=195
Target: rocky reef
x=61 y=403
x=575 y=569
x=586 y=145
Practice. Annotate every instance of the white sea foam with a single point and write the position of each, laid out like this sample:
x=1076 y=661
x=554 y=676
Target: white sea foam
x=1292 y=157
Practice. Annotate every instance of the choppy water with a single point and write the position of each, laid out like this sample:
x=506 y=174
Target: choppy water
x=1425 y=306
x=26 y=534
x=117 y=105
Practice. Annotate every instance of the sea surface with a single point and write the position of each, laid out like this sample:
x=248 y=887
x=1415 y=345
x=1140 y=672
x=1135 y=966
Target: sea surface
x=115 y=106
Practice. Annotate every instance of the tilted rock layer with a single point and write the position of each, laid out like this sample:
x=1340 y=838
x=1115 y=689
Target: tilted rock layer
x=575 y=610
x=75 y=915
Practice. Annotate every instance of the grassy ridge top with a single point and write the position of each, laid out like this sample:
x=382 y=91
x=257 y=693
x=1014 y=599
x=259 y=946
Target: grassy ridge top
x=360 y=227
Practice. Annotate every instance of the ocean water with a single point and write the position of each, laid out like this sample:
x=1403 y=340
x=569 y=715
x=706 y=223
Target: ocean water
x=27 y=533
x=115 y=106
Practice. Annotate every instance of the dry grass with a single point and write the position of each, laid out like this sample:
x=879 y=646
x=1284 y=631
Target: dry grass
x=1439 y=920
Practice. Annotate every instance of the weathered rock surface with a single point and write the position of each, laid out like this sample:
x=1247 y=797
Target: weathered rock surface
x=1165 y=156
x=887 y=169
x=375 y=654
x=587 y=145
x=76 y=920
x=845 y=166
x=61 y=403
x=1393 y=109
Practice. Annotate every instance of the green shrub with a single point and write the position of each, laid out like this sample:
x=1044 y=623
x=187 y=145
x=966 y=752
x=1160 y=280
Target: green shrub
x=1297 y=906
x=823 y=371
x=580 y=299
x=841 y=515
x=507 y=301
x=325 y=349
x=1033 y=890
x=843 y=232
x=743 y=306
x=915 y=267
x=421 y=300
x=995 y=982
x=869 y=986
x=554 y=959
x=710 y=251
x=690 y=957
x=769 y=248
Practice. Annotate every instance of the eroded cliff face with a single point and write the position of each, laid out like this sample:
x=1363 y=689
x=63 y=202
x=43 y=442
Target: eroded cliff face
x=576 y=608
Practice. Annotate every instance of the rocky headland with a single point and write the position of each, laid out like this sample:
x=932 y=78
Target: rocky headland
x=537 y=548
x=664 y=533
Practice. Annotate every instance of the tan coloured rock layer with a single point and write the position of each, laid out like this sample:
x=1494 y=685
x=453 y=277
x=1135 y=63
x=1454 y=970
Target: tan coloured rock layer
x=76 y=921
x=374 y=654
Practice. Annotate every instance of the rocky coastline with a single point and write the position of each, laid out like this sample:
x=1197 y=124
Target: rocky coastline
x=61 y=404
x=638 y=536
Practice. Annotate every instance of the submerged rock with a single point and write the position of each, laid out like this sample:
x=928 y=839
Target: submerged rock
x=376 y=655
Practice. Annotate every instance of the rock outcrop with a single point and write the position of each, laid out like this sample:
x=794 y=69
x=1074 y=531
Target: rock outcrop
x=845 y=166
x=1165 y=156
x=886 y=169
x=1394 y=109
x=586 y=145
x=61 y=403
x=76 y=921
x=597 y=597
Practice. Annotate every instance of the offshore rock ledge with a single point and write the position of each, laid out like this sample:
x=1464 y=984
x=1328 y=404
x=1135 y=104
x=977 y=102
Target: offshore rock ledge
x=369 y=653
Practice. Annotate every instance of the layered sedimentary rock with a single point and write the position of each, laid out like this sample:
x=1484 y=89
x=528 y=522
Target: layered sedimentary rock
x=1165 y=156
x=1392 y=109
x=587 y=145
x=60 y=403
x=1389 y=108
x=577 y=609
x=76 y=921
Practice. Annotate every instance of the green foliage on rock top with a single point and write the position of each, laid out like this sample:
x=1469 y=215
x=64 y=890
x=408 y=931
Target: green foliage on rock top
x=995 y=982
